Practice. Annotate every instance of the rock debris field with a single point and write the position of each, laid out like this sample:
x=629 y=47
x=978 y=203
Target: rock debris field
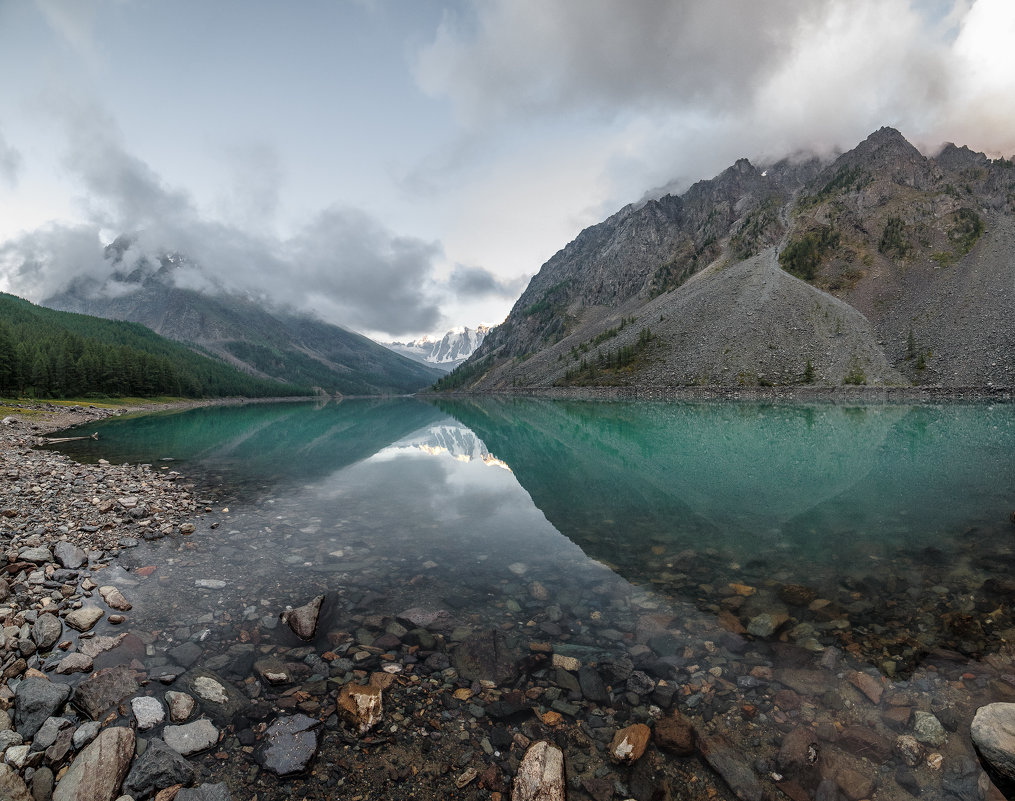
x=581 y=687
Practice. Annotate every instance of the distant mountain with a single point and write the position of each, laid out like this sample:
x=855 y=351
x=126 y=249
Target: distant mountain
x=881 y=267
x=445 y=353
x=49 y=353
x=285 y=346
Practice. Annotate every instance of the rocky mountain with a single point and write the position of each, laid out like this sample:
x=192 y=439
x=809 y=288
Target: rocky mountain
x=445 y=353
x=282 y=345
x=882 y=266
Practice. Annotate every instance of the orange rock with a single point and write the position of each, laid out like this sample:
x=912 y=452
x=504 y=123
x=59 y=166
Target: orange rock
x=868 y=685
x=744 y=590
x=551 y=718
x=629 y=744
x=145 y=571
x=361 y=706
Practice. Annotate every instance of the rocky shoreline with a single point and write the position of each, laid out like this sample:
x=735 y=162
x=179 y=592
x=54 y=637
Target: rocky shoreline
x=591 y=689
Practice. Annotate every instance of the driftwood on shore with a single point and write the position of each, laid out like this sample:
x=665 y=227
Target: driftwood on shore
x=57 y=440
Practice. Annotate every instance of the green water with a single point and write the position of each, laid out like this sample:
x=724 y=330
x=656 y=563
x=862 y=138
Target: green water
x=810 y=491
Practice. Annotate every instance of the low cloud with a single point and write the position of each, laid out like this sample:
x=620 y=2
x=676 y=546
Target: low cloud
x=476 y=282
x=344 y=265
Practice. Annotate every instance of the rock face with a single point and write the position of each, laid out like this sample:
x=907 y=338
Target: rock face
x=289 y=745
x=540 y=775
x=708 y=273
x=98 y=771
x=303 y=619
x=993 y=734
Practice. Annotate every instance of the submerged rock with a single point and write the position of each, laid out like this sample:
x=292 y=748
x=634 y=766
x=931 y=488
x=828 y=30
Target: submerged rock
x=114 y=598
x=289 y=745
x=303 y=619
x=487 y=655
x=361 y=705
x=630 y=743
x=98 y=771
x=540 y=775
x=104 y=689
x=84 y=618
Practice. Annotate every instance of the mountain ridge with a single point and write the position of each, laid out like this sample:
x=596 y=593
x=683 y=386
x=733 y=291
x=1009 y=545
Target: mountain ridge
x=264 y=342
x=444 y=353
x=912 y=257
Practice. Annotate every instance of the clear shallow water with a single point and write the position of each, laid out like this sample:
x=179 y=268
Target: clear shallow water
x=633 y=531
x=462 y=496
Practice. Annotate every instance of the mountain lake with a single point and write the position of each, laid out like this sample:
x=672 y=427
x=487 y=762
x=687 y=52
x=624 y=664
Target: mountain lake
x=823 y=590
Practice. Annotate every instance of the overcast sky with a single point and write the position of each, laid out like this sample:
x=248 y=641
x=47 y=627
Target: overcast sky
x=403 y=167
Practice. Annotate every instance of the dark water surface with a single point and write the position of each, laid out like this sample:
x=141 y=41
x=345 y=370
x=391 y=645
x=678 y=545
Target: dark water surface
x=877 y=533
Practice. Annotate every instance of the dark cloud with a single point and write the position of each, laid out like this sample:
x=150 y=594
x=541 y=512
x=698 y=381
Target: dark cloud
x=10 y=163
x=344 y=265
x=476 y=282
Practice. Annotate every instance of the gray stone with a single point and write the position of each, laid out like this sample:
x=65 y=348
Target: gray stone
x=993 y=734
x=104 y=689
x=289 y=744
x=84 y=618
x=98 y=771
x=181 y=706
x=487 y=655
x=46 y=631
x=210 y=584
x=205 y=792
x=48 y=733
x=39 y=556
x=191 y=737
x=12 y=786
x=42 y=784
x=8 y=738
x=731 y=763
x=592 y=686
x=69 y=555
x=540 y=775
x=148 y=712
x=74 y=663
x=272 y=670
x=157 y=768
x=928 y=729
x=35 y=700
x=303 y=619
x=219 y=699
x=114 y=598
x=431 y=619
x=186 y=654
x=85 y=733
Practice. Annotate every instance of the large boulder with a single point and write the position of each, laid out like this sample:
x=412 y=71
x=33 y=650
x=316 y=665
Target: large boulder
x=98 y=771
x=35 y=700
x=993 y=734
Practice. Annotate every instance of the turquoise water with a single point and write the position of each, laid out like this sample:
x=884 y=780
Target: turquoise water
x=680 y=498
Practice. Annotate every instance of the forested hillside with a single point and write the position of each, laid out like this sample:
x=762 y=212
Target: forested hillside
x=48 y=353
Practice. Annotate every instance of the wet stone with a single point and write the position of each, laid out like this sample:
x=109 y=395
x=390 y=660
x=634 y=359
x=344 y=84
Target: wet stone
x=303 y=619
x=540 y=775
x=186 y=654
x=84 y=618
x=217 y=696
x=74 y=663
x=730 y=763
x=34 y=701
x=427 y=618
x=592 y=685
x=289 y=744
x=148 y=712
x=629 y=743
x=205 y=792
x=928 y=729
x=181 y=706
x=104 y=689
x=157 y=768
x=69 y=556
x=361 y=706
x=675 y=734
x=114 y=598
x=487 y=655
x=190 y=738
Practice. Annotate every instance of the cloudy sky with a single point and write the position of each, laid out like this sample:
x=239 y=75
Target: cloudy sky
x=400 y=167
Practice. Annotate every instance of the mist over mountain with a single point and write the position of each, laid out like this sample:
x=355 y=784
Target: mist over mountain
x=180 y=299
x=882 y=266
x=445 y=353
